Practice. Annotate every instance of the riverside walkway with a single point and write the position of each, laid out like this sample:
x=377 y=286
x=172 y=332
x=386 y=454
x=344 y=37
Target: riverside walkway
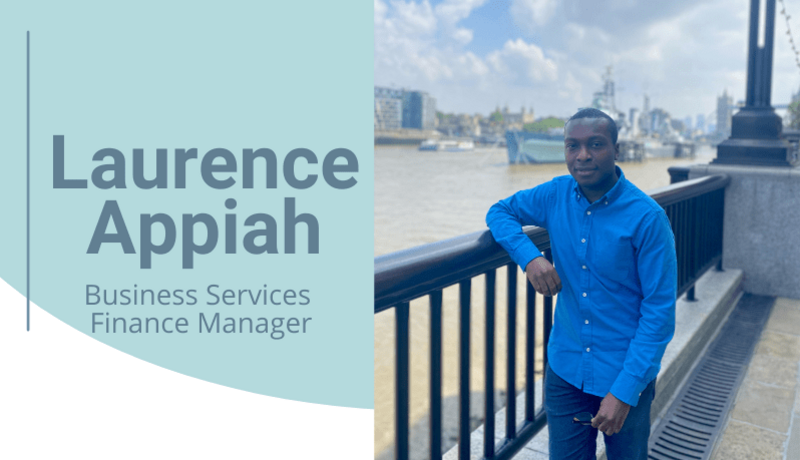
x=764 y=423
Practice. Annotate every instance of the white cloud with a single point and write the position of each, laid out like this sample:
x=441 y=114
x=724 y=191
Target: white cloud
x=523 y=63
x=533 y=12
x=414 y=18
x=682 y=53
x=462 y=36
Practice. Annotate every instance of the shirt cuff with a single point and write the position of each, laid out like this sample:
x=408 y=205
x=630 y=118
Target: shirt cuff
x=525 y=254
x=628 y=388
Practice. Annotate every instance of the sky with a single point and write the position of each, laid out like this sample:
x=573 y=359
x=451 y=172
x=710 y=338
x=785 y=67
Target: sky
x=476 y=55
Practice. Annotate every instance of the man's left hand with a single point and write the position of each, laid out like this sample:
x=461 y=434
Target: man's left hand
x=611 y=416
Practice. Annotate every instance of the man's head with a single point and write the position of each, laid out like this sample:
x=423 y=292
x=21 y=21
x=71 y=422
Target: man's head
x=590 y=148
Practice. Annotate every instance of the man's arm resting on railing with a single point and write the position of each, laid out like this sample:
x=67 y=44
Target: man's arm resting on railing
x=506 y=218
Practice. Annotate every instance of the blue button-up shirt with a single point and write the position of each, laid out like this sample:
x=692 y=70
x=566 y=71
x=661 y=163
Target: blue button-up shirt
x=616 y=259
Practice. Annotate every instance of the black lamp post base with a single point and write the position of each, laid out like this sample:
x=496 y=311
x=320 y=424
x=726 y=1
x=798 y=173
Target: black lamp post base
x=755 y=140
x=753 y=152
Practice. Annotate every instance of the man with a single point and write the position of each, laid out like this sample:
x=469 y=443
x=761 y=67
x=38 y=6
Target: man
x=616 y=276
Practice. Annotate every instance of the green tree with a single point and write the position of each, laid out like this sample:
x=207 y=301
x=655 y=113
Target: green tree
x=542 y=126
x=496 y=117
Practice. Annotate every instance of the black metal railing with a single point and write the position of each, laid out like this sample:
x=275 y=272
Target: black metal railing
x=695 y=209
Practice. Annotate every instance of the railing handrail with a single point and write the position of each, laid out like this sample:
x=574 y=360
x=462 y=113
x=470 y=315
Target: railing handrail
x=405 y=275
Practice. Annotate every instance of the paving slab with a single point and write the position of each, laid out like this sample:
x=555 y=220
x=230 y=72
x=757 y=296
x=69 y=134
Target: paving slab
x=785 y=317
x=773 y=370
x=779 y=344
x=746 y=442
x=763 y=405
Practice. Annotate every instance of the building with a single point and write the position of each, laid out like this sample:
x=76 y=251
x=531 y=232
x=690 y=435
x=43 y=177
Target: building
x=398 y=108
x=388 y=109
x=724 y=115
x=419 y=110
x=517 y=120
x=701 y=122
x=634 y=122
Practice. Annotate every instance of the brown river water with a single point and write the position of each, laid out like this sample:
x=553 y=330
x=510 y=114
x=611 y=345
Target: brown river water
x=424 y=197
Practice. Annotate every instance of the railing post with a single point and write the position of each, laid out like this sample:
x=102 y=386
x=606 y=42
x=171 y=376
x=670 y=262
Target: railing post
x=488 y=429
x=436 y=375
x=464 y=430
x=678 y=174
x=511 y=354
x=401 y=382
x=530 y=347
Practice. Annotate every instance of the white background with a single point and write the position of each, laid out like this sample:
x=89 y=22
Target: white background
x=66 y=395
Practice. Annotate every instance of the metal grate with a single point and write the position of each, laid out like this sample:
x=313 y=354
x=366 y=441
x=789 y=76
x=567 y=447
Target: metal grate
x=695 y=419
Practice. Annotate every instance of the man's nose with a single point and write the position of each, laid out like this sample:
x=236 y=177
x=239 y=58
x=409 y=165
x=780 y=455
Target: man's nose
x=583 y=154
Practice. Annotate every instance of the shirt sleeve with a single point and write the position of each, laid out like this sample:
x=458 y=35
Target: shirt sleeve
x=658 y=274
x=506 y=218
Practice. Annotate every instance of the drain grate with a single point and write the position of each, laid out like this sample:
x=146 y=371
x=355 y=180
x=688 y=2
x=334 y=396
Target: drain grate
x=693 y=422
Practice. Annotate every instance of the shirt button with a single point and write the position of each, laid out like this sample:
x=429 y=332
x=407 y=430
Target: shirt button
x=606 y=202
x=586 y=322
x=584 y=294
x=588 y=213
x=588 y=350
x=583 y=240
x=583 y=267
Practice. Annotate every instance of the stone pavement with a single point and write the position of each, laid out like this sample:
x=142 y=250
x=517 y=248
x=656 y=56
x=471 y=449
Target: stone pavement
x=764 y=422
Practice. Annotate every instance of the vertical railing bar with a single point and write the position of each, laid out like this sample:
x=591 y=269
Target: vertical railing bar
x=464 y=430
x=547 y=316
x=703 y=243
x=702 y=237
x=689 y=242
x=530 y=349
x=688 y=230
x=511 y=350
x=697 y=238
x=548 y=322
x=684 y=235
x=436 y=375
x=401 y=381
x=488 y=431
x=693 y=237
x=721 y=223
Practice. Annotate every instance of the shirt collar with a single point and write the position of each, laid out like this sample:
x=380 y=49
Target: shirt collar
x=612 y=194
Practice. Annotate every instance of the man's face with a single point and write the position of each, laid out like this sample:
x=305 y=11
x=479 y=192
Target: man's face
x=590 y=154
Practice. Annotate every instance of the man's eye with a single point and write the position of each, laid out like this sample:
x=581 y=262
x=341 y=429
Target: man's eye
x=597 y=144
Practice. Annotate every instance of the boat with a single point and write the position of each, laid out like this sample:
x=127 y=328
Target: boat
x=429 y=144
x=449 y=145
x=530 y=148
x=461 y=146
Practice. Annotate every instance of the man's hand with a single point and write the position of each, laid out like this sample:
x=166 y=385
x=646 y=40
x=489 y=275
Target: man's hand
x=611 y=416
x=543 y=276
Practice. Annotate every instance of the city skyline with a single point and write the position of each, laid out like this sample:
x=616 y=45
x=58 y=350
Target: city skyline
x=476 y=55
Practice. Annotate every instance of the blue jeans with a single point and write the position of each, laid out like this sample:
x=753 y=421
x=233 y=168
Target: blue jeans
x=572 y=441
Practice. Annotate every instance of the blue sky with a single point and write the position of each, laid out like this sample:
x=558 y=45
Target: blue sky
x=473 y=55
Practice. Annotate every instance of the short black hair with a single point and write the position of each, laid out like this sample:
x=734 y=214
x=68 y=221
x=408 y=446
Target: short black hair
x=596 y=113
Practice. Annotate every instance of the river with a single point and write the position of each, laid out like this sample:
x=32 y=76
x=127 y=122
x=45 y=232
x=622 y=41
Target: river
x=424 y=197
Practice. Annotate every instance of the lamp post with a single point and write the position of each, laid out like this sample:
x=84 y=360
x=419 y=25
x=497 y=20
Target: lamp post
x=756 y=128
